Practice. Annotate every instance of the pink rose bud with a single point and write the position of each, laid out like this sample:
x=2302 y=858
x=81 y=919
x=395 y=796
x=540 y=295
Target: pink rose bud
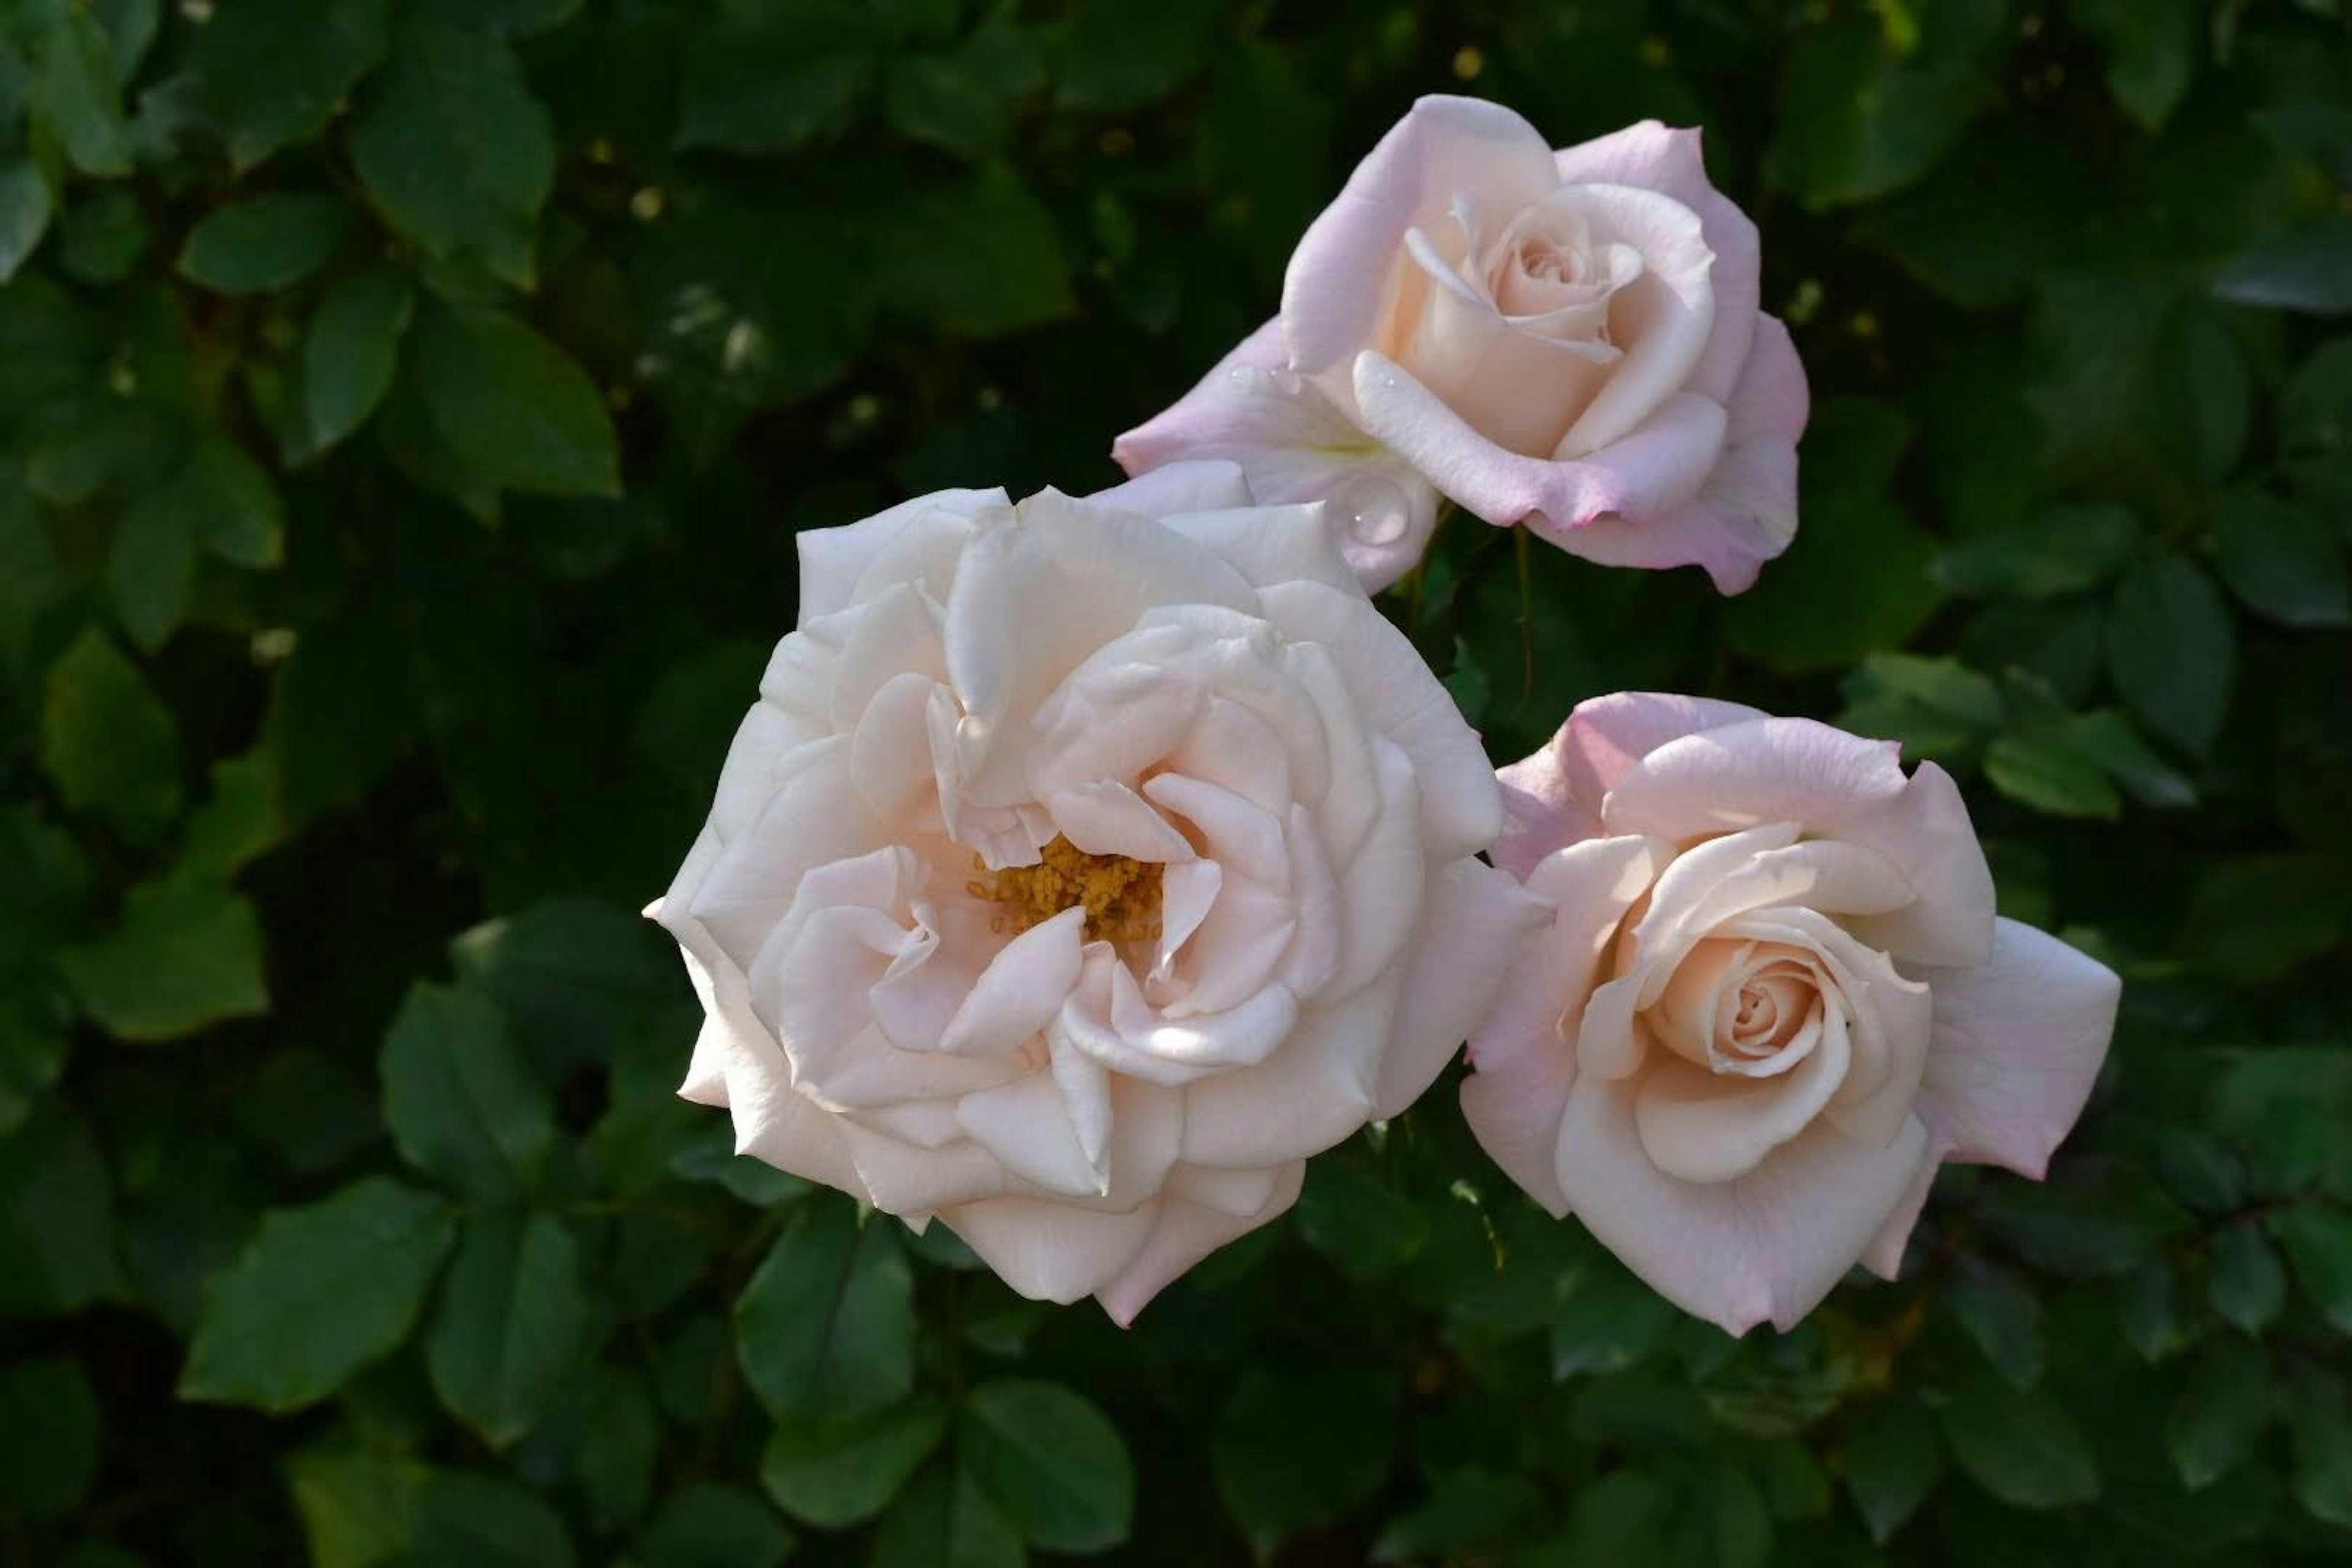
x=1771 y=998
x=1568 y=339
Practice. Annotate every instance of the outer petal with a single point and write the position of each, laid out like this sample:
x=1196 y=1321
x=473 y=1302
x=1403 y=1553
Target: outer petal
x=1053 y=1251
x=834 y=559
x=1883 y=1257
x=1294 y=444
x=1514 y=1101
x=1659 y=466
x=1746 y=513
x=1553 y=797
x=1767 y=1246
x=1443 y=148
x=1194 y=484
x=2017 y=1046
x=1472 y=928
x=1187 y=1233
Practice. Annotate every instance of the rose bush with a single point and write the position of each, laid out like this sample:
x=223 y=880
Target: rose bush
x=1083 y=867
x=1569 y=340
x=1773 y=996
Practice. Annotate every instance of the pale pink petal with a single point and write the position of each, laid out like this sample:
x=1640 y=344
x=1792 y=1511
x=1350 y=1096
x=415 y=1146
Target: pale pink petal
x=1399 y=697
x=1883 y=1257
x=2017 y=1043
x=1186 y=1233
x=1294 y=444
x=1315 y=1091
x=1518 y=388
x=1020 y=991
x=1053 y=1251
x=1473 y=926
x=1926 y=831
x=833 y=560
x=1443 y=149
x=1764 y=1248
x=1736 y=777
x=1269 y=543
x=1664 y=318
x=1514 y=1100
x=1655 y=468
x=1104 y=817
x=1703 y=1127
x=1194 y=484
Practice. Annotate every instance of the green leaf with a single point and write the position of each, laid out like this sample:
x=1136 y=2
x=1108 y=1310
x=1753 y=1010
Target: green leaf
x=230 y=502
x=352 y=350
x=2285 y=561
x=242 y=817
x=454 y=149
x=708 y=1526
x=358 y=1507
x=1123 y=57
x=2307 y=268
x=2317 y=1236
x=768 y=79
x=1467 y=1510
x=2024 y=1448
x=2001 y=1313
x=516 y=411
x=265 y=243
x=1722 y=1523
x=2244 y=1278
x=25 y=210
x=50 y=1424
x=2062 y=552
x=2257 y=918
x=187 y=954
x=1295 y=1450
x=2151 y=47
x=76 y=95
x=1892 y=1463
x=275 y=71
x=620 y=1435
x=2147 y=1309
x=1618 y=1519
x=835 y=1475
x=1935 y=707
x=2220 y=1413
x=151 y=568
x=510 y=1325
x=508 y=18
x=56 y=1216
x=1858 y=118
x=2172 y=650
x=107 y=743
x=1610 y=1321
x=825 y=1329
x=962 y=100
x=1051 y=1461
x=945 y=1521
x=2314 y=420
x=486 y=1521
x=1358 y=1221
x=2046 y=767
x=2322 y=1448
x=1007 y=273
x=319 y=1293
x=460 y=1101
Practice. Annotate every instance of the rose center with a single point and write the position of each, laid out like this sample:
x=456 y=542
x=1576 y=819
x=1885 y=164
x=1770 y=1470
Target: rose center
x=1121 y=896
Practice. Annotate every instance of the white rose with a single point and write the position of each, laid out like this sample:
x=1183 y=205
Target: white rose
x=1083 y=867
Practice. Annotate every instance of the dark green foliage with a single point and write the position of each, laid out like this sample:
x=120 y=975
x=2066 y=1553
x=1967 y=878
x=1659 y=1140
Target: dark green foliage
x=405 y=410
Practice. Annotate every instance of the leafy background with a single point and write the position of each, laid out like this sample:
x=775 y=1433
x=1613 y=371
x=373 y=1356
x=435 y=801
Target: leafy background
x=405 y=409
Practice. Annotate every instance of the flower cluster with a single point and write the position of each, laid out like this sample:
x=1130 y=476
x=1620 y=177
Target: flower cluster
x=1087 y=865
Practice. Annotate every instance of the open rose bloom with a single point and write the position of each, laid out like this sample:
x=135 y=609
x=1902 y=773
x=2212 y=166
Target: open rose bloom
x=1082 y=866
x=1568 y=339
x=1773 y=997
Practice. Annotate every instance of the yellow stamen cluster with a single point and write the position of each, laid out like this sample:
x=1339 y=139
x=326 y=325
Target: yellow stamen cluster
x=1121 y=896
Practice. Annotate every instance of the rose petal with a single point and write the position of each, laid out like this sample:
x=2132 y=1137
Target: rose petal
x=834 y=559
x=1193 y=483
x=1052 y=1251
x=1698 y=1126
x=1766 y=1246
x=1444 y=149
x=1663 y=318
x=2018 y=1044
x=1473 y=925
x=1186 y=1233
